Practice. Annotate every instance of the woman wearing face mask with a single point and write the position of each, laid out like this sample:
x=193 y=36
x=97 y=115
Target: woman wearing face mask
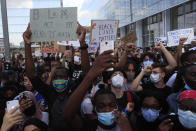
x=153 y=108
x=186 y=115
x=131 y=71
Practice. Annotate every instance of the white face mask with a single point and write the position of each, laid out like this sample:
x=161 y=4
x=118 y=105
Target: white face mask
x=187 y=119
x=76 y=59
x=155 y=78
x=117 y=81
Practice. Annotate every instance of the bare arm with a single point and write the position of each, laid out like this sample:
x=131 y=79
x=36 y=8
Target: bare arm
x=102 y=62
x=169 y=57
x=30 y=70
x=135 y=87
x=179 y=50
x=81 y=31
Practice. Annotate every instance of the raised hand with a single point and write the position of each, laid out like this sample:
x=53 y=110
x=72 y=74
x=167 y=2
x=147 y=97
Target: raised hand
x=166 y=125
x=11 y=118
x=27 y=35
x=81 y=32
x=130 y=107
x=122 y=121
x=103 y=62
x=182 y=41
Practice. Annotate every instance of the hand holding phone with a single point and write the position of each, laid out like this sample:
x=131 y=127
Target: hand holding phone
x=12 y=104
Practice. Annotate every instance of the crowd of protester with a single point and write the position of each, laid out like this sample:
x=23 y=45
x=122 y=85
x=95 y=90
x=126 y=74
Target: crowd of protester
x=148 y=89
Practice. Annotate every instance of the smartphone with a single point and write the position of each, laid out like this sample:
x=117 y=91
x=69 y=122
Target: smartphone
x=67 y=47
x=12 y=104
x=105 y=46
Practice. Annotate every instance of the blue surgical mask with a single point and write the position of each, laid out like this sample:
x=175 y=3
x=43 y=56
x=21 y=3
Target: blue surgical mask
x=36 y=65
x=1 y=86
x=59 y=85
x=149 y=63
x=187 y=119
x=187 y=87
x=106 y=118
x=150 y=115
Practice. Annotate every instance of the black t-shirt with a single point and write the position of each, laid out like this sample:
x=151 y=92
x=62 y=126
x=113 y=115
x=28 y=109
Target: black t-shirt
x=55 y=103
x=150 y=86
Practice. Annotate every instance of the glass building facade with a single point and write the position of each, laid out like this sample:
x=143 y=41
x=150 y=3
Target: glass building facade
x=18 y=17
x=116 y=10
x=154 y=18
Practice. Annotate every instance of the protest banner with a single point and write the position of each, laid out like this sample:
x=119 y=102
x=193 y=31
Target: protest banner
x=130 y=37
x=103 y=30
x=49 y=47
x=53 y=24
x=69 y=43
x=174 y=36
x=163 y=40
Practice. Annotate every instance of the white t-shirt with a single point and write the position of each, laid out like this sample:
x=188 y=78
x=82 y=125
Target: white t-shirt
x=86 y=106
x=171 y=80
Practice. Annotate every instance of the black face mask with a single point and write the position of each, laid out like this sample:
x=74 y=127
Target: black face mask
x=30 y=111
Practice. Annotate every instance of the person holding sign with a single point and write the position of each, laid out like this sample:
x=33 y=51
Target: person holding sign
x=57 y=94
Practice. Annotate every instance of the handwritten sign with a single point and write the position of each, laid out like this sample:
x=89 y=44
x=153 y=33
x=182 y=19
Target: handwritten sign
x=49 y=47
x=130 y=37
x=163 y=40
x=103 y=30
x=174 y=36
x=53 y=24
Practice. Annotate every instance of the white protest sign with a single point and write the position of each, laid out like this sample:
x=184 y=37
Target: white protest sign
x=163 y=40
x=38 y=53
x=103 y=30
x=53 y=24
x=69 y=43
x=174 y=36
x=92 y=47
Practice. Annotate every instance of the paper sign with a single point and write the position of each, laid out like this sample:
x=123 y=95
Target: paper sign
x=69 y=43
x=174 y=36
x=38 y=53
x=163 y=40
x=53 y=24
x=130 y=37
x=103 y=30
x=92 y=47
x=49 y=47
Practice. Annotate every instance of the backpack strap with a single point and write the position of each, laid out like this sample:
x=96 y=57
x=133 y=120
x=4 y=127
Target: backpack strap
x=129 y=97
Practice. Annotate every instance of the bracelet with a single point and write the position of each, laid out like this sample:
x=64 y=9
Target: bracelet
x=84 y=47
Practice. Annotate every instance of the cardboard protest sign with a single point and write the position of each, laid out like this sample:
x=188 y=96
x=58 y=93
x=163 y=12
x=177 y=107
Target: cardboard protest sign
x=130 y=37
x=49 y=47
x=174 y=36
x=53 y=24
x=163 y=40
x=103 y=30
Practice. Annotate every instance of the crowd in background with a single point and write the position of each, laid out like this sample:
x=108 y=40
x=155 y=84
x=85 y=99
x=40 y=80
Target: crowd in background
x=126 y=89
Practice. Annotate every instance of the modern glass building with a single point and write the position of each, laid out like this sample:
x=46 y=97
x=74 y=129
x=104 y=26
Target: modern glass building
x=116 y=10
x=154 y=18
x=18 y=16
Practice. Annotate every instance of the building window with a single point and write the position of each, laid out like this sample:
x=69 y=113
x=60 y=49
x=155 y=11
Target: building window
x=181 y=10
x=194 y=6
x=152 y=27
x=188 y=8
